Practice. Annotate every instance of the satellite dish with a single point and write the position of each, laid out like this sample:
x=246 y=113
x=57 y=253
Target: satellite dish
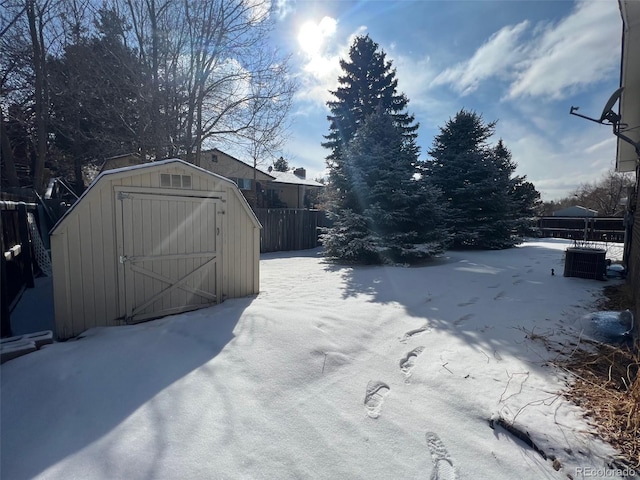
x=613 y=118
x=607 y=112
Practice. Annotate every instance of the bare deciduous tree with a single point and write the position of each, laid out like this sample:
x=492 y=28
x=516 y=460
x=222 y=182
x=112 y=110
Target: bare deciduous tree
x=204 y=73
x=605 y=195
x=210 y=66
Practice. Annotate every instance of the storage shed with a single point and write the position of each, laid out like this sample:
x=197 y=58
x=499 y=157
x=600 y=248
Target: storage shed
x=152 y=240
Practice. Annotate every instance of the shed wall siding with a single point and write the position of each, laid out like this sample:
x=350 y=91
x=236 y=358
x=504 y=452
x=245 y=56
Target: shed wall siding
x=238 y=269
x=86 y=248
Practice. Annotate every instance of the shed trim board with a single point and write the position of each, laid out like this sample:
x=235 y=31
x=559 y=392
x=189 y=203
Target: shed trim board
x=137 y=246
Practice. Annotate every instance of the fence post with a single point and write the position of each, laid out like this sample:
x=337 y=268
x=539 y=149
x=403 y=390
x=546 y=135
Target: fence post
x=27 y=261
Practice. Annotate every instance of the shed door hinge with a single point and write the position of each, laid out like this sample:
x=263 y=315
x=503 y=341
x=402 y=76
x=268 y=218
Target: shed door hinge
x=123 y=195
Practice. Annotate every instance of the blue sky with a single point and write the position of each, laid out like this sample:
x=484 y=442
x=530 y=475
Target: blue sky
x=523 y=63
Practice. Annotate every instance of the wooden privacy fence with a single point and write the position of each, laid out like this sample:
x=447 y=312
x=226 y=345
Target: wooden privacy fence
x=16 y=261
x=289 y=228
x=600 y=229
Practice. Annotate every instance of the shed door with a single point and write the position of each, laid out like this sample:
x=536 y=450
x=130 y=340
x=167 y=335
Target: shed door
x=168 y=253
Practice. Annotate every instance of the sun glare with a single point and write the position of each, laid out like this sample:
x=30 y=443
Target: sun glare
x=311 y=36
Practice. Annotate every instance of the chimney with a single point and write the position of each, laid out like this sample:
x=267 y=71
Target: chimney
x=300 y=172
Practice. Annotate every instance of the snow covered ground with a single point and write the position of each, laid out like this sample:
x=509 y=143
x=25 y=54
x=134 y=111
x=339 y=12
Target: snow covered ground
x=331 y=372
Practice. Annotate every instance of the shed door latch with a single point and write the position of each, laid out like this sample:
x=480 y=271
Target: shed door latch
x=123 y=258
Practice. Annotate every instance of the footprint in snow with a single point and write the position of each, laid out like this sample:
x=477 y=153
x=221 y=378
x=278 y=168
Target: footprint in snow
x=471 y=301
x=442 y=464
x=374 y=397
x=463 y=319
x=409 y=360
x=412 y=333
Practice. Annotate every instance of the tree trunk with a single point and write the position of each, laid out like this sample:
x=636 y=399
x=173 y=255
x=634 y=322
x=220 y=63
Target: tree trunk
x=9 y=166
x=40 y=93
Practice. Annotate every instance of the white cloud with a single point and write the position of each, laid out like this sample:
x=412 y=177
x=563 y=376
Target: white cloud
x=580 y=50
x=283 y=8
x=554 y=165
x=555 y=59
x=258 y=10
x=605 y=145
x=414 y=75
x=494 y=58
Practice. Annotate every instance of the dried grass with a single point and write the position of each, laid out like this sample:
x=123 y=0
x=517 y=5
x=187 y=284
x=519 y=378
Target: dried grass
x=606 y=382
x=607 y=386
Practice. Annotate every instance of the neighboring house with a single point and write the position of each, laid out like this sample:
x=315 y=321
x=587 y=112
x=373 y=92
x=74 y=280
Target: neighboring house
x=121 y=161
x=241 y=173
x=274 y=189
x=575 y=211
x=294 y=190
x=261 y=189
x=628 y=155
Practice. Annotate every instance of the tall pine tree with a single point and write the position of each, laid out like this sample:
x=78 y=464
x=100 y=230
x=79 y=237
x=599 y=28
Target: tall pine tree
x=527 y=204
x=385 y=211
x=475 y=179
x=95 y=96
x=367 y=83
x=375 y=197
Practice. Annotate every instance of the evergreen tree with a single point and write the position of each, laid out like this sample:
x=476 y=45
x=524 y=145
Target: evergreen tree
x=373 y=194
x=367 y=83
x=281 y=165
x=527 y=205
x=476 y=182
x=95 y=107
x=384 y=212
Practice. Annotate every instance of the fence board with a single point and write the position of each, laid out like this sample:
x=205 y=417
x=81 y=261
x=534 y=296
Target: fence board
x=15 y=247
x=289 y=228
x=610 y=229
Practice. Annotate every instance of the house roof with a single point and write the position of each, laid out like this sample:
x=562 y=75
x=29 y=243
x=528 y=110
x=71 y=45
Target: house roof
x=575 y=211
x=293 y=179
x=237 y=160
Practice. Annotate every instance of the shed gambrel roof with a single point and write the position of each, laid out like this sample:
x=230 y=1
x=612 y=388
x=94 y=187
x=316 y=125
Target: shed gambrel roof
x=131 y=170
